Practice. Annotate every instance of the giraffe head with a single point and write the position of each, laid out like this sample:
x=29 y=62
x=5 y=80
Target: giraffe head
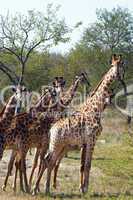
x=58 y=84
x=19 y=92
x=118 y=62
x=83 y=78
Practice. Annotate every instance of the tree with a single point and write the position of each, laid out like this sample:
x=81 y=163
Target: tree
x=113 y=30
x=21 y=35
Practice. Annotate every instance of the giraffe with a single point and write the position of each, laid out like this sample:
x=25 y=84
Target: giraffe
x=81 y=129
x=7 y=114
x=9 y=109
x=110 y=96
x=41 y=128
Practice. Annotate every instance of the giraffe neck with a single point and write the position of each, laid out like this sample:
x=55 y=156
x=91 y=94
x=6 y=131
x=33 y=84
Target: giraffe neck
x=9 y=112
x=27 y=118
x=42 y=104
x=96 y=102
x=105 y=82
x=2 y=112
x=55 y=112
x=69 y=94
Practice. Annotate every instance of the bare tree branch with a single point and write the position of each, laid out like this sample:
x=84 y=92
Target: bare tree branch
x=8 y=74
x=9 y=70
x=12 y=52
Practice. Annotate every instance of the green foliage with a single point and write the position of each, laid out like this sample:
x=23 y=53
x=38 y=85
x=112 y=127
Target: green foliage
x=91 y=54
x=113 y=30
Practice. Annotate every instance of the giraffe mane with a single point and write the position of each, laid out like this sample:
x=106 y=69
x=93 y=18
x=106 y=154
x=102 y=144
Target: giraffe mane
x=3 y=110
x=98 y=85
x=20 y=115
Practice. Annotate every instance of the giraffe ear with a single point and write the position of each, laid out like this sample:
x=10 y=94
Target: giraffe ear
x=54 y=84
x=61 y=77
x=14 y=89
x=114 y=57
x=120 y=57
x=56 y=78
x=24 y=89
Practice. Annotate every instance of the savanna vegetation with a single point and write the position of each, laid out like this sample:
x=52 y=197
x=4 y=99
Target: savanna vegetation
x=26 y=58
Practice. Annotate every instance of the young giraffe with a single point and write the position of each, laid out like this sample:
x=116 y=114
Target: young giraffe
x=41 y=127
x=81 y=129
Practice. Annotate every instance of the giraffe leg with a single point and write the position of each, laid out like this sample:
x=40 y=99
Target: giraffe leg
x=83 y=154
x=10 y=167
x=21 y=177
x=57 y=167
x=49 y=171
x=42 y=167
x=42 y=155
x=25 y=175
x=23 y=168
x=15 y=177
x=51 y=164
x=18 y=168
x=34 y=166
x=87 y=167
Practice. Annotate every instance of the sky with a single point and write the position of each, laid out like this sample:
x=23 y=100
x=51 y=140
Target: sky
x=72 y=10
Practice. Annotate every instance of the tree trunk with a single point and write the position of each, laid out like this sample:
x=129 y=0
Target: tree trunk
x=22 y=73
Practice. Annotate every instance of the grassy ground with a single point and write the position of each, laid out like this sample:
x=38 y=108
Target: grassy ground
x=111 y=175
